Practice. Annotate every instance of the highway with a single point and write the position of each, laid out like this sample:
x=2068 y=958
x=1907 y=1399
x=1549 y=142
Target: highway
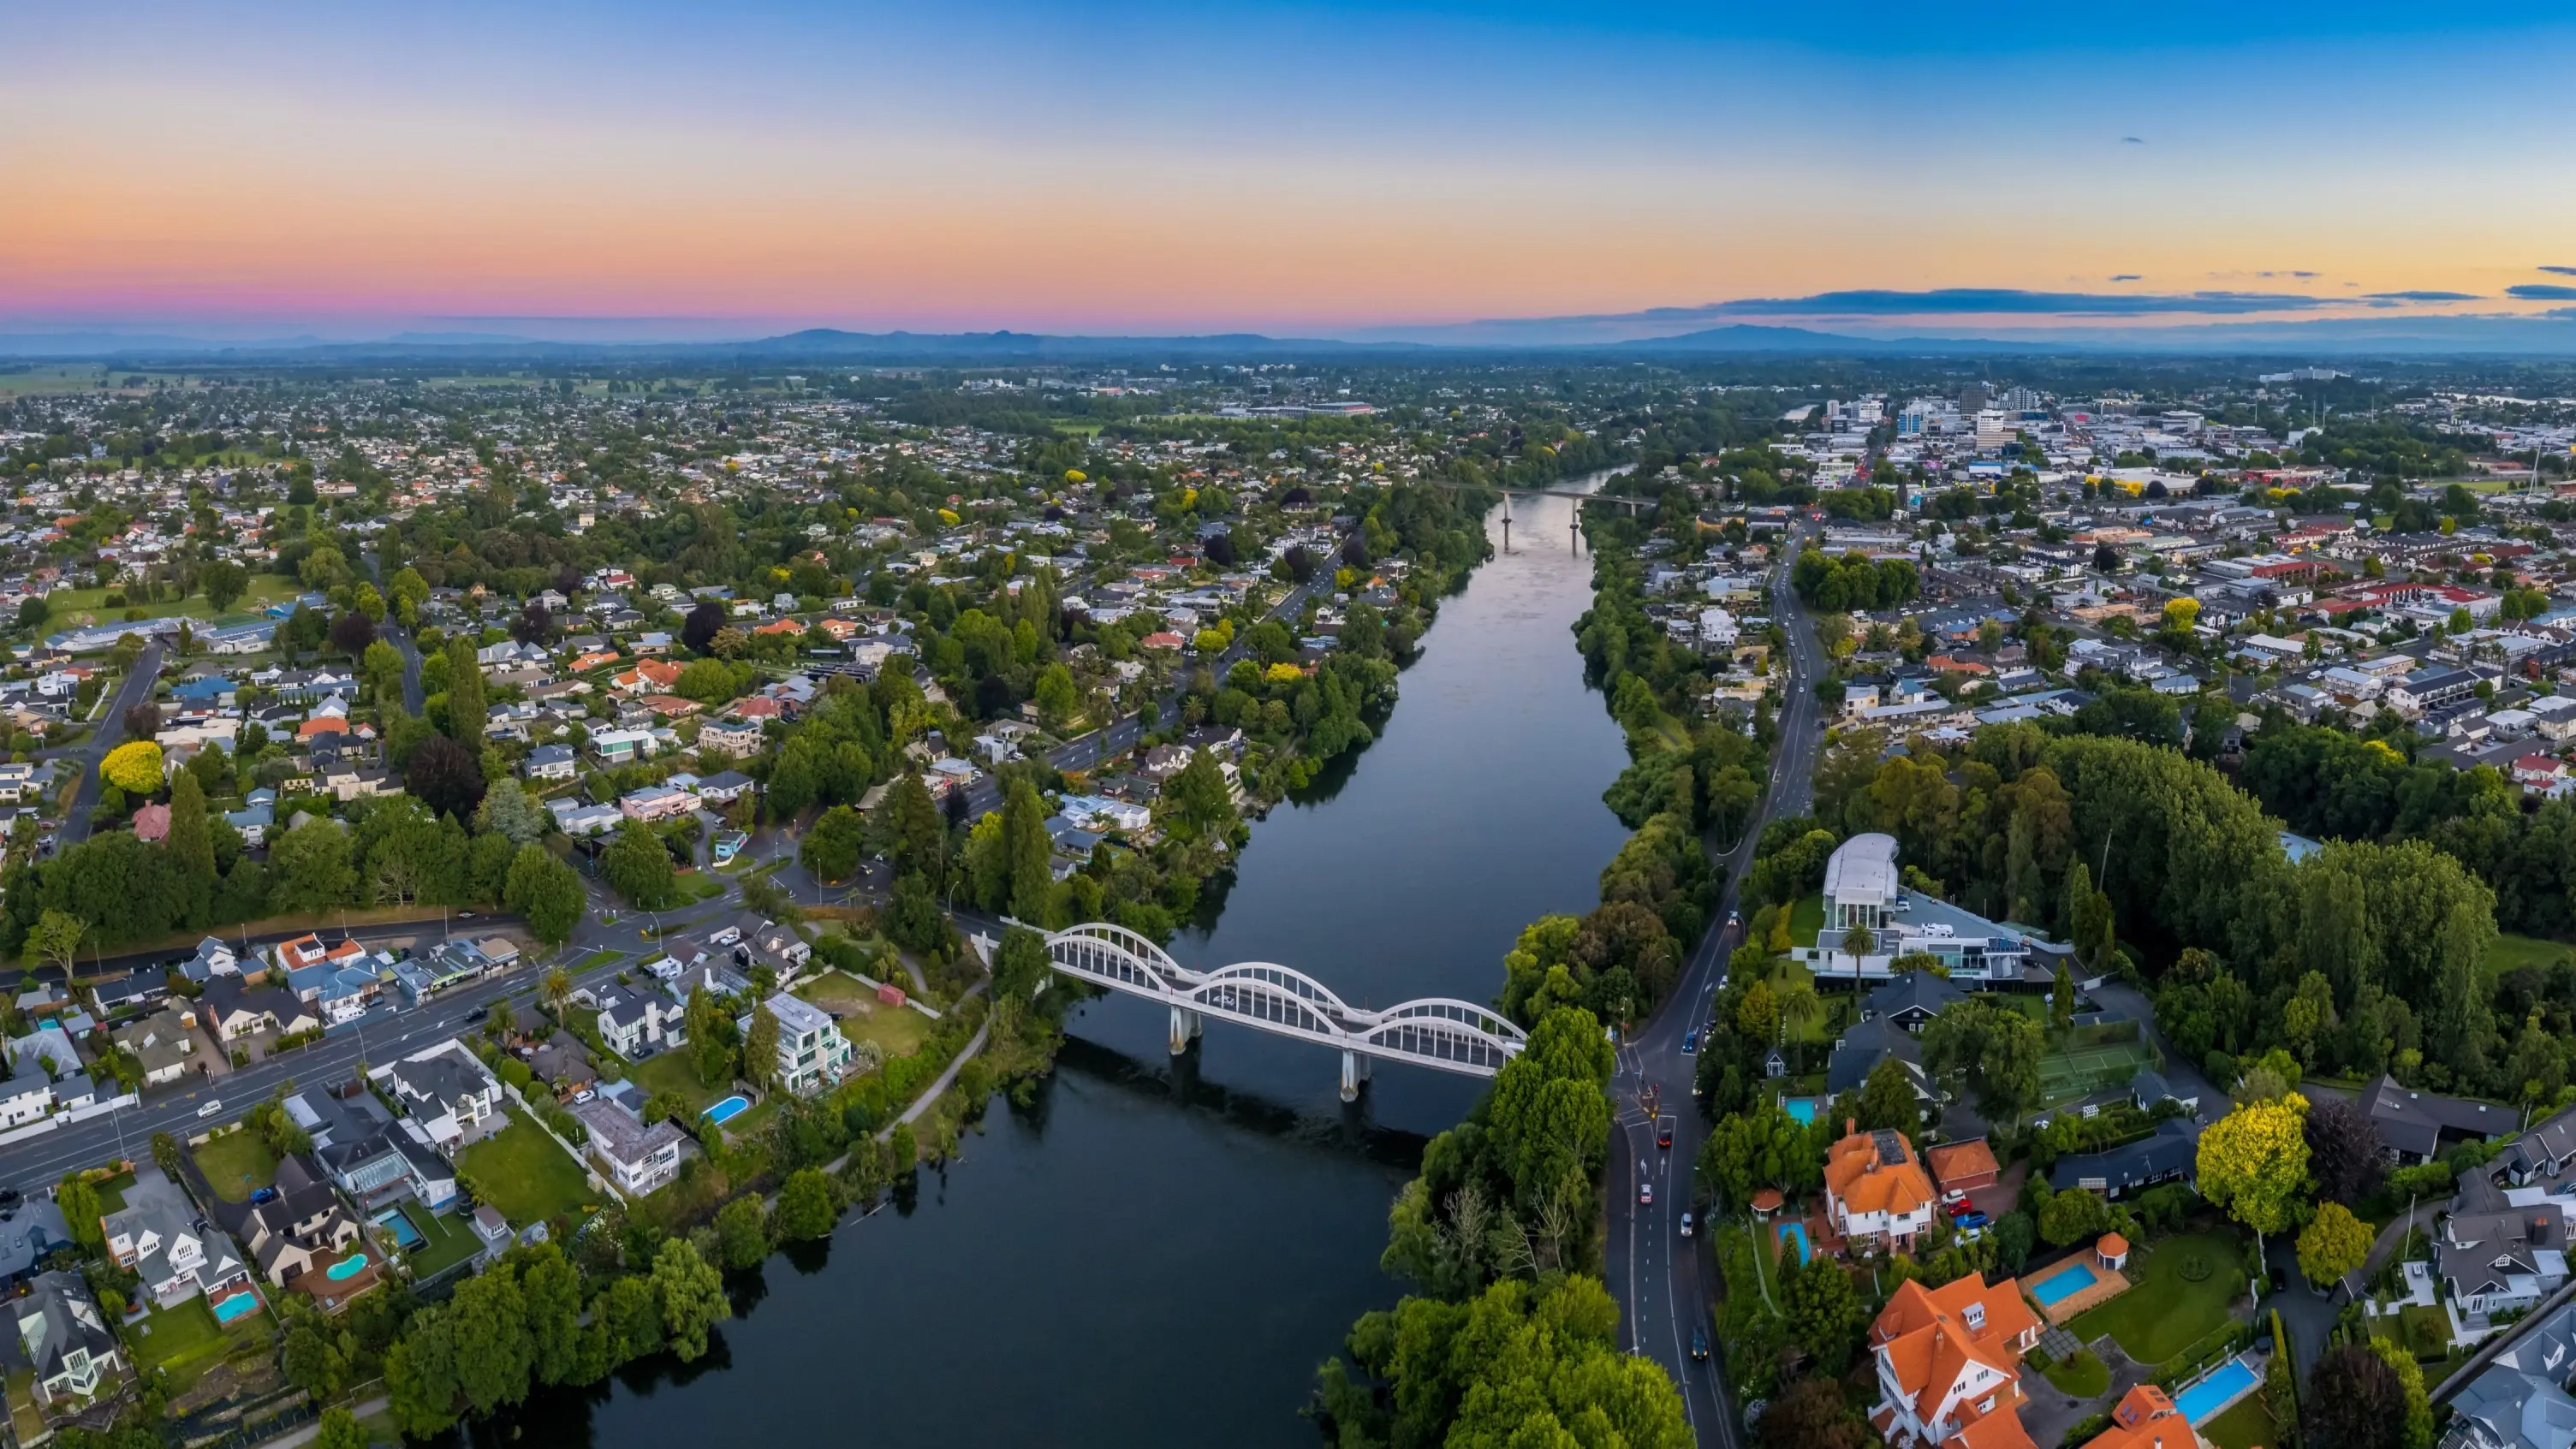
x=1664 y=1282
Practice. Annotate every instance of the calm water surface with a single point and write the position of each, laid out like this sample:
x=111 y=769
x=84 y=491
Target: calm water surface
x=1161 y=1250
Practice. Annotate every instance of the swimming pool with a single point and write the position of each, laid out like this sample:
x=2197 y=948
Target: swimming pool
x=2065 y=1283
x=347 y=1268
x=726 y=1110
x=2210 y=1397
x=1797 y=1233
x=398 y=1223
x=228 y=1309
x=1801 y=1108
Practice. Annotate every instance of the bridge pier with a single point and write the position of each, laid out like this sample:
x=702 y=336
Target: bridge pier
x=1186 y=1025
x=1355 y=1073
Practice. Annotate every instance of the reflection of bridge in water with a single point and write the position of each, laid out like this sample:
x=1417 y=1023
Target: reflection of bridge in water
x=1436 y=1032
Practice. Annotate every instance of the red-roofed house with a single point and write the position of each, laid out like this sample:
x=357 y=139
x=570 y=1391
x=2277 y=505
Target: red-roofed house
x=2145 y=1419
x=1949 y=1365
x=1876 y=1190
x=593 y=660
x=152 y=824
x=2539 y=771
x=1162 y=640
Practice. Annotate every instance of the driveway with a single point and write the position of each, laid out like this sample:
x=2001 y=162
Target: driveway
x=134 y=689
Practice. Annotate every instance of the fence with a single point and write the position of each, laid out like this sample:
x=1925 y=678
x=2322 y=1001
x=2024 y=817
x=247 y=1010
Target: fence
x=2212 y=1347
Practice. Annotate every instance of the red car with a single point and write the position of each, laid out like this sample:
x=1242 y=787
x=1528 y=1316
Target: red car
x=1962 y=1208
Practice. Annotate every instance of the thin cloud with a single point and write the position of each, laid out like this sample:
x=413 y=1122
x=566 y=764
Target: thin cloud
x=2423 y=297
x=2541 y=292
x=2133 y=140
x=2562 y=271
x=1960 y=301
x=2128 y=277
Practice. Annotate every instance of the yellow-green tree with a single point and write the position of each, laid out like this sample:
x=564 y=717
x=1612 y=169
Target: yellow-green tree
x=133 y=767
x=2418 y=1430
x=2254 y=1163
x=2333 y=1244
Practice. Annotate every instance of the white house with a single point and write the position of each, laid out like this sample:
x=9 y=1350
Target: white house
x=636 y=1157
x=639 y=1024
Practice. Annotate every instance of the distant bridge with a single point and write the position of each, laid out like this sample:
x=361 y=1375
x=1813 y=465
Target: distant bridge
x=1435 y=1031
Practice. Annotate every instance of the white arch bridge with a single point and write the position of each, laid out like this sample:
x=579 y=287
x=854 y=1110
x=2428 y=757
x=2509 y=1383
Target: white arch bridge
x=1436 y=1032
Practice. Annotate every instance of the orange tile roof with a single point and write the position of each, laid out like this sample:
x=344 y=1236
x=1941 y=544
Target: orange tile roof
x=2112 y=1245
x=1962 y=1159
x=1931 y=1335
x=1994 y=1431
x=780 y=626
x=1860 y=1176
x=2137 y=1423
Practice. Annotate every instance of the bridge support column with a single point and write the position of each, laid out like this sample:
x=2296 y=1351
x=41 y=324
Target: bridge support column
x=1186 y=1025
x=1355 y=1072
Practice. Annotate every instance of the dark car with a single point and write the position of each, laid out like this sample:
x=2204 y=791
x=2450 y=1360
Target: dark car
x=1699 y=1345
x=1664 y=1135
x=478 y=1013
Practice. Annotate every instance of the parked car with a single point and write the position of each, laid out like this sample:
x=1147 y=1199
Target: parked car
x=1973 y=1220
x=1961 y=1208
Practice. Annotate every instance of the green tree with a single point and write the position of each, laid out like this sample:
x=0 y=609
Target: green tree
x=55 y=939
x=467 y=706
x=916 y=836
x=637 y=866
x=1198 y=800
x=339 y=1430
x=421 y=1374
x=2416 y=1428
x=742 y=1235
x=546 y=892
x=832 y=847
x=1826 y=1314
x=692 y=1296
x=311 y=1361
x=1056 y=697
x=2253 y=1162
x=551 y=1286
x=760 y=1047
x=409 y=591
x=1030 y=853
x=2061 y=999
x=1748 y=1151
x=223 y=581
x=78 y=1202
x=1993 y=1051
x=1548 y=1118
x=808 y=1206
x=488 y=1319
x=309 y=868
x=2333 y=1244
x=708 y=1045
x=508 y=810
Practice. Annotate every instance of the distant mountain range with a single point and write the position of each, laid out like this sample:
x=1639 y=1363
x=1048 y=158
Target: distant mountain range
x=2529 y=337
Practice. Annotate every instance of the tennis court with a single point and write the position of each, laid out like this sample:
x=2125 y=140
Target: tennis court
x=2067 y=1075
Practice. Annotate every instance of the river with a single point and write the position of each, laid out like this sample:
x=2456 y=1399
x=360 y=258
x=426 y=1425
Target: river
x=1160 y=1251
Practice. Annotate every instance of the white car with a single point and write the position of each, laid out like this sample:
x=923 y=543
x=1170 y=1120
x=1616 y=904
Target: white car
x=1645 y=1194
x=1686 y=1225
x=210 y=1109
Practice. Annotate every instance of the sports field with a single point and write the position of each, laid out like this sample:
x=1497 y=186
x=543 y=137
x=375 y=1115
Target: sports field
x=2065 y=1076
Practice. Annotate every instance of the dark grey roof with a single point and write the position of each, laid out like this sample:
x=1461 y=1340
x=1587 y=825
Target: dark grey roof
x=2169 y=1152
x=1921 y=991
x=1861 y=1050
x=71 y=1320
x=2414 y=1121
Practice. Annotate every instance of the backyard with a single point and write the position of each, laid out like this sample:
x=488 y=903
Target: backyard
x=187 y=1341
x=898 y=1031
x=2182 y=1287
x=446 y=1239
x=2248 y=1425
x=676 y=1072
x=237 y=1164
x=525 y=1174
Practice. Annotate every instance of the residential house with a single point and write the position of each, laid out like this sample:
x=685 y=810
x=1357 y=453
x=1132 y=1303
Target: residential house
x=2501 y=1261
x=374 y=1158
x=812 y=1053
x=723 y=787
x=550 y=762
x=2170 y=1153
x=736 y=739
x=656 y=802
x=1911 y=1000
x=1875 y=1189
x=1949 y=1365
x=563 y=1064
x=636 y=1025
x=130 y=992
x=304 y=1238
x=446 y=1090
x=2145 y=1418
x=156 y=1237
x=62 y=1340
x=2416 y=1126
x=636 y=1157
x=236 y=1011
x=165 y=1042
x=2519 y=1399
x=622 y=746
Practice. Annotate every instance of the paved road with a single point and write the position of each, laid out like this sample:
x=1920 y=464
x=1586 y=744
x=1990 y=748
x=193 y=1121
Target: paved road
x=1665 y=1282
x=392 y=632
x=134 y=689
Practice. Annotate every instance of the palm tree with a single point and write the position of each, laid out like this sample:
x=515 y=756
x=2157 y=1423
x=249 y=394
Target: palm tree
x=1859 y=941
x=557 y=989
x=1799 y=1004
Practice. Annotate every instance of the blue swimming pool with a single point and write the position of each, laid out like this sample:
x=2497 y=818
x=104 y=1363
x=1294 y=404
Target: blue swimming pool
x=1802 y=1108
x=2210 y=1397
x=1797 y=1233
x=228 y=1309
x=726 y=1110
x=347 y=1268
x=2065 y=1283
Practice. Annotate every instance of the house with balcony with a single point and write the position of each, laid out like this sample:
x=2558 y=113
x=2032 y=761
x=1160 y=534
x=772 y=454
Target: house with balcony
x=62 y=1341
x=636 y=1024
x=1876 y=1191
x=1862 y=893
x=2504 y=1260
x=156 y=1237
x=812 y=1053
x=447 y=1091
x=636 y=1157
x=375 y=1158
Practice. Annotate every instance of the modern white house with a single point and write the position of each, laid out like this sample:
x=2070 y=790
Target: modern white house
x=812 y=1053
x=1862 y=889
x=636 y=1157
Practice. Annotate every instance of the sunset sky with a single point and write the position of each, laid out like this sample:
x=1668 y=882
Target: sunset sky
x=1312 y=169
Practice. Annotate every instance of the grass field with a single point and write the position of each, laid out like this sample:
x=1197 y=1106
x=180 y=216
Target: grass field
x=521 y=1171
x=677 y=1074
x=2246 y=1426
x=2083 y=1376
x=187 y=1341
x=50 y=377
x=2166 y=1311
x=2511 y=952
x=236 y=1164
x=68 y=607
x=597 y=959
x=449 y=1239
x=898 y=1031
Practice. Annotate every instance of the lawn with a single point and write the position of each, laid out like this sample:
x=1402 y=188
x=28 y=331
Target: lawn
x=449 y=1239
x=522 y=1171
x=237 y=1163
x=2083 y=1376
x=187 y=1341
x=898 y=1031
x=1806 y=918
x=2511 y=951
x=597 y=959
x=2167 y=1310
x=676 y=1073
x=2246 y=1426
x=66 y=607
x=111 y=1193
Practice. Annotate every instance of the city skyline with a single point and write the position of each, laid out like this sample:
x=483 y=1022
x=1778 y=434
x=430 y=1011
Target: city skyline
x=1312 y=170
